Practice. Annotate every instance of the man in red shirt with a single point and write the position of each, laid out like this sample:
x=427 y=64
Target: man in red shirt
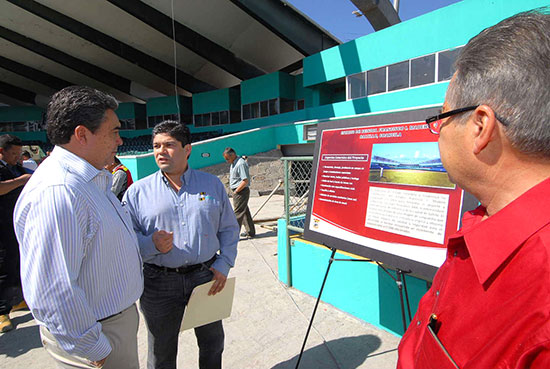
x=489 y=305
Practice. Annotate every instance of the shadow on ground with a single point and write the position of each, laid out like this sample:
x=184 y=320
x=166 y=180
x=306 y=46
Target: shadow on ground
x=265 y=235
x=349 y=353
x=20 y=340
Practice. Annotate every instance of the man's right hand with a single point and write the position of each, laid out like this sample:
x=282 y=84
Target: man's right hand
x=163 y=241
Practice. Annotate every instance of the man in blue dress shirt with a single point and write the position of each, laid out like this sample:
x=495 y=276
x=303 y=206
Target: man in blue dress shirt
x=80 y=261
x=187 y=234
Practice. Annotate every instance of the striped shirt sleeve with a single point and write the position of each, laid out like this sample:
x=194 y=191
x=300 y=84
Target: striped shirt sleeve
x=57 y=230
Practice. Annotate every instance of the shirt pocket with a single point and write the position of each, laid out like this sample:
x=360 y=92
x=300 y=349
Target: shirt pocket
x=433 y=354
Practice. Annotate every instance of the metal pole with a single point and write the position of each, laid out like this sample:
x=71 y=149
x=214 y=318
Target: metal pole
x=287 y=221
x=396 y=6
x=400 y=287
x=315 y=308
x=268 y=198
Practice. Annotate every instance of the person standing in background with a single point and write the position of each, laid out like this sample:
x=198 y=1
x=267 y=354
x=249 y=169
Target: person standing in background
x=122 y=178
x=12 y=179
x=28 y=161
x=239 y=183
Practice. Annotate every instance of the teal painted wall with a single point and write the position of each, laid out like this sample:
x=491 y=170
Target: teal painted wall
x=140 y=166
x=301 y=92
x=235 y=99
x=260 y=88
x=362 y=289
x=126 y=111
x=211 y=101
x=167 y=105
x=209 y=152
x=30 y=136
x=287 y=86
x=442 y=29
x=20 y=113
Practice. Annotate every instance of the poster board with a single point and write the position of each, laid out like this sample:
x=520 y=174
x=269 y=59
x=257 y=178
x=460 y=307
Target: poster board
x=379 y=190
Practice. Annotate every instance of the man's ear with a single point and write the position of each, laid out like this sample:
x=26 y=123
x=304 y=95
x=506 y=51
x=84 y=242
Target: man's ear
x=485 y=123
x=187 y=149
x=81 y=134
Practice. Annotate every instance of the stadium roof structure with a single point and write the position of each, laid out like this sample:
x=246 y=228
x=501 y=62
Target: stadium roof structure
x=126 y=47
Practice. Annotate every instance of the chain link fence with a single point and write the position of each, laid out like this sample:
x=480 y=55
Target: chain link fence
x=297 y=176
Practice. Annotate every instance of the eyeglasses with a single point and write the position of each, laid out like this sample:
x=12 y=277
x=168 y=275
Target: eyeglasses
x=435 y=122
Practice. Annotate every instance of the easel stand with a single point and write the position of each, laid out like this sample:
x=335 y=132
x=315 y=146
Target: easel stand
x=399 y=280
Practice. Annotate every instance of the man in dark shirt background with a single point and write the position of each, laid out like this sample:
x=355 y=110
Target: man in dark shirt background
x=12 y=179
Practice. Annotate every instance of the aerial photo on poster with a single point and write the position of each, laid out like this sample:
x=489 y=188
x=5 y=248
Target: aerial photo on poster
x=408 y=163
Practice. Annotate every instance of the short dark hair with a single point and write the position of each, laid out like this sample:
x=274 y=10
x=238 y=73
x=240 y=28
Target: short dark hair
x=26 y=153
x=229 y=151
x=506 y=67
x=74 y=106
x=175 y=130
x=7 y=141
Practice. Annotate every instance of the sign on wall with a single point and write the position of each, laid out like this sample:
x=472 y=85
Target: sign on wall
x=379 y=190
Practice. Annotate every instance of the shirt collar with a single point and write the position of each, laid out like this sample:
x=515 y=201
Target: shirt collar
x=492 y=241
x=75 y=164
x=185 y=177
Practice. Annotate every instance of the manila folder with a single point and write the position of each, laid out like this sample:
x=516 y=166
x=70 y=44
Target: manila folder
x=203 y=309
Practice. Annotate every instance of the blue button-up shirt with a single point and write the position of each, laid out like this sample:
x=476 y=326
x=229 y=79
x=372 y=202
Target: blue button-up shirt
x=80 y=258
x=199 y=215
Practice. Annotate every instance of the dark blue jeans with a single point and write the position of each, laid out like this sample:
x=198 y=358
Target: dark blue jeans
x=163 y=302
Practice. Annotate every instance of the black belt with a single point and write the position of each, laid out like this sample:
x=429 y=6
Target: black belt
x=110 y=316
x=183 y=269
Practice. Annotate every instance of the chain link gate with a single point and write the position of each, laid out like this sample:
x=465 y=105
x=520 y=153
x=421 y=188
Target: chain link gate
x=297 y=176
x=297 y=172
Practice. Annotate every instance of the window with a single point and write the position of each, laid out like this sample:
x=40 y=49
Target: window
x=356 y=86
x=273 y=107
x=376 y=81
x=300 y=104
x=423 y=70
x=197 y=120
x=264 y=108
x=215 y=118
x=234 y=116
x=127 y=123
x=287 y=105
x=446 y=64
x=224 y=117
x=246 y=111
x=398 y=76
x=254 y=110
x=206 y=119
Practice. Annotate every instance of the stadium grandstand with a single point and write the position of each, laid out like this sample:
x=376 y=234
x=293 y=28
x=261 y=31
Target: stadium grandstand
x=254 y=75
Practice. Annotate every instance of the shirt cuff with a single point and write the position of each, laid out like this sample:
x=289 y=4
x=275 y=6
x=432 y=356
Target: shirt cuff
x=221 y=266
x=147 y=247
x=100 y=350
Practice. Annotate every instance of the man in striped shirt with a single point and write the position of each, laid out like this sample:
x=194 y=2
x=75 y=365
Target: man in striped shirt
x=80 y=264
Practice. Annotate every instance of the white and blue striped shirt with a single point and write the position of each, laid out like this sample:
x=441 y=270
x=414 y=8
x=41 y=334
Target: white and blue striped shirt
x=80 y=258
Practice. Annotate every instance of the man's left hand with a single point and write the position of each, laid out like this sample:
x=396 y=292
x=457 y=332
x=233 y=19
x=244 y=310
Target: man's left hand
x=219 y=282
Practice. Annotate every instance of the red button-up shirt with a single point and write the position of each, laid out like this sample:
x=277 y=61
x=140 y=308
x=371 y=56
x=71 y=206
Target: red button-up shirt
x=490 y=300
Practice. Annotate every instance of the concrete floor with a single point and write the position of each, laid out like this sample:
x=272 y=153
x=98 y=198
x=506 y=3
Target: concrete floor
x=266 y=328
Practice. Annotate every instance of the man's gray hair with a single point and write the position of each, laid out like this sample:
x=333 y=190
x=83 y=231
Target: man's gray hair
x=74 y=106
x=507 y=67
x=229 y=151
